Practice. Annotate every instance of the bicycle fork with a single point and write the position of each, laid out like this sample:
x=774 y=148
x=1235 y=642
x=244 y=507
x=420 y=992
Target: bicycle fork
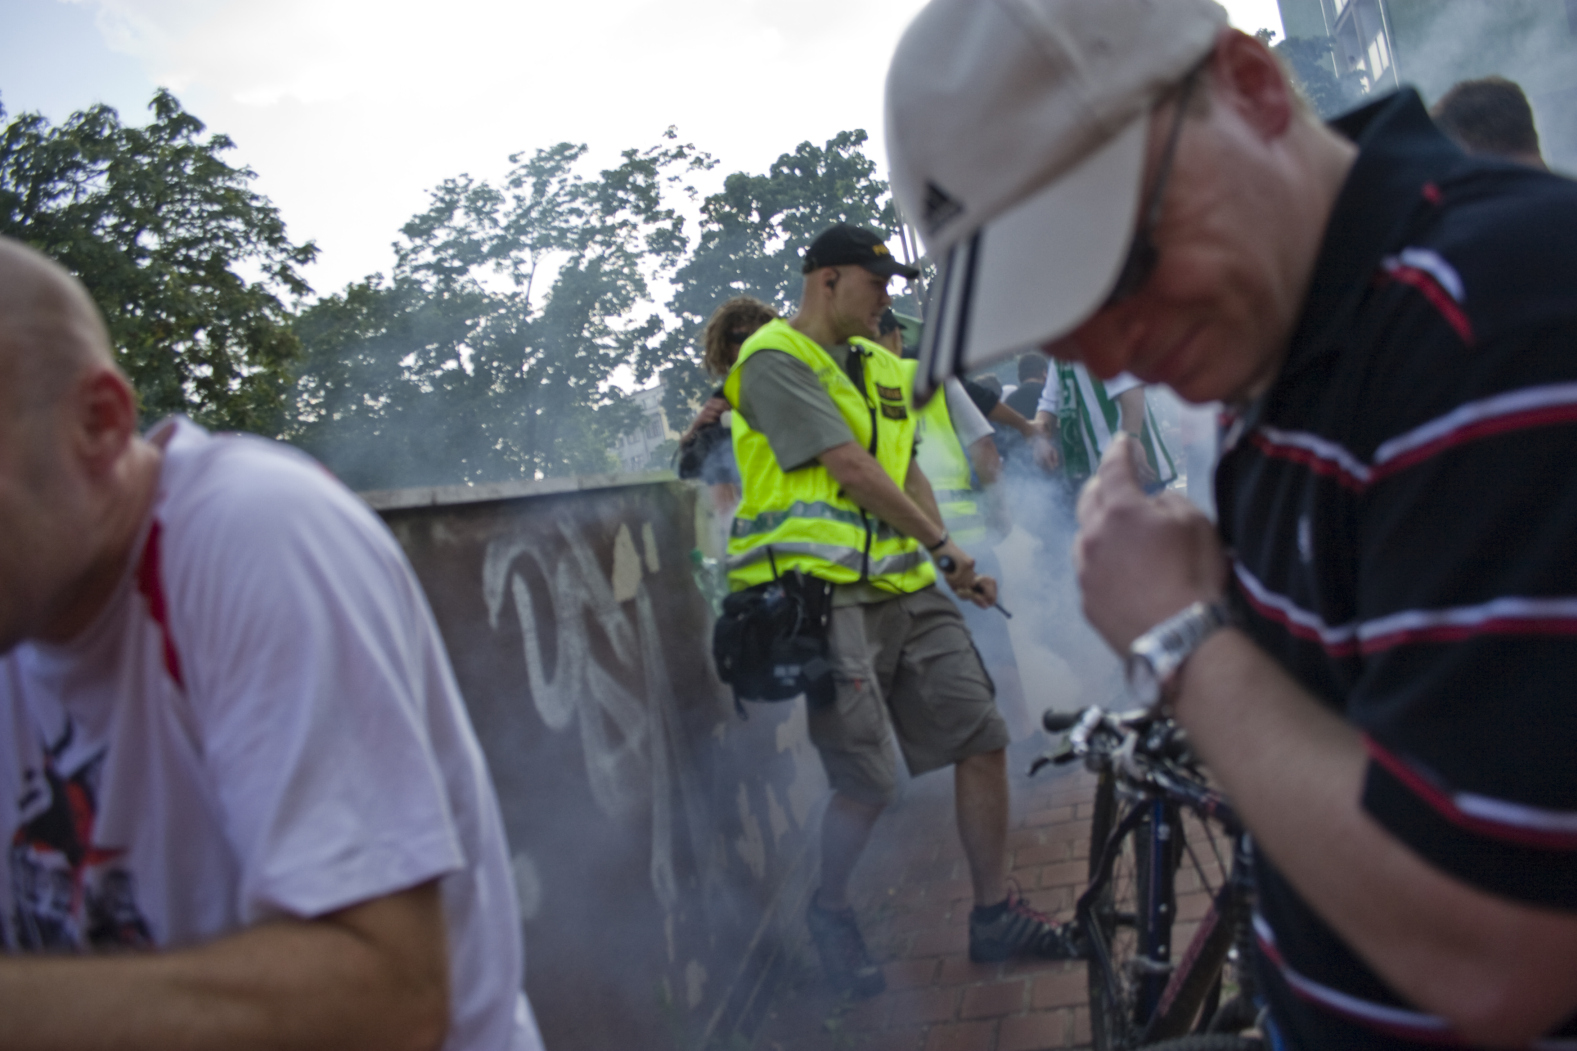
x=1155 y=926
x=1199 y=970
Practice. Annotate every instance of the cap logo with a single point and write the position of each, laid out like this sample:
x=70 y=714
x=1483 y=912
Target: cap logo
x=880 y=249
x=941 y=207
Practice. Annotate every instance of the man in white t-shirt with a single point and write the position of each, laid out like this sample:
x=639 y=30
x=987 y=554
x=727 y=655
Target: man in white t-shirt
x=229 y=736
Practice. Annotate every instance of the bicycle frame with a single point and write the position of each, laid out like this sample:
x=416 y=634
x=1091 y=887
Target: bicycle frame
x=1168 y=997
x=1191 y=981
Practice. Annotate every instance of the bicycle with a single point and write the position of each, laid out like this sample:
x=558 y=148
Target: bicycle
x=1154 y=809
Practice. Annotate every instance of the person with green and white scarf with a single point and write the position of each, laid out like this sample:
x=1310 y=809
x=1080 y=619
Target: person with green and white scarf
x=1080 y=415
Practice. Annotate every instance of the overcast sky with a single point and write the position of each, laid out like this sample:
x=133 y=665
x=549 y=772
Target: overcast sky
x=349 y=110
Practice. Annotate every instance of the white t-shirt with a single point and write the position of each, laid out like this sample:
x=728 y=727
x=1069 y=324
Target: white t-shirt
x=262 y=722
x=969 y=423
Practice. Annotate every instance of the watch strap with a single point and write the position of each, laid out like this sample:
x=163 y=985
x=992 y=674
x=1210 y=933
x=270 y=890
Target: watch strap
x=1168 y=645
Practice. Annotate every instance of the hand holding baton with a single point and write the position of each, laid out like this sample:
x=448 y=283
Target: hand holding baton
x=946 y=564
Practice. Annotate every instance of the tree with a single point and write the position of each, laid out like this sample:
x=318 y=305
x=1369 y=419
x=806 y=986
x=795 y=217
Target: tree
x=459 y=368
x=189 y=266
x=1310 y=59
x=751 y=238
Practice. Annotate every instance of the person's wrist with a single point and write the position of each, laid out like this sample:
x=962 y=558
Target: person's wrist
x=1155 y=659
x=940 y=543
x=1199 y=663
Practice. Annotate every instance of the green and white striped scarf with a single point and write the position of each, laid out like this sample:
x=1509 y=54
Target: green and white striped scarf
x=1086 y=433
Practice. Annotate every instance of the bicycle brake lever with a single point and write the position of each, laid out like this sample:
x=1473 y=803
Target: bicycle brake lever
x=1060 y=755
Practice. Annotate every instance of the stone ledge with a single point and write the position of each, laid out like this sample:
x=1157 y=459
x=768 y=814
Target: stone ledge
x=447 y=495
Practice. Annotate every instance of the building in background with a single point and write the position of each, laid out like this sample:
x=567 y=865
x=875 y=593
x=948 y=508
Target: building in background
x=1377 y=45
x=635 y=450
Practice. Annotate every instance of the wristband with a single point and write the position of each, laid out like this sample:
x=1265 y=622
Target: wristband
x=940 y=543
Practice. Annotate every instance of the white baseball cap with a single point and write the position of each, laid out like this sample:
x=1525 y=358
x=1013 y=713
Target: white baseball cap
x=1016 y=137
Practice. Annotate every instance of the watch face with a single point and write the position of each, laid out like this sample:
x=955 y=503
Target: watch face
x=1142 y=680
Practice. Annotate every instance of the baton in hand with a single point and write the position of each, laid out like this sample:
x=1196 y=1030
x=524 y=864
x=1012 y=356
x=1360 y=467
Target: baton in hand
x=947 y=566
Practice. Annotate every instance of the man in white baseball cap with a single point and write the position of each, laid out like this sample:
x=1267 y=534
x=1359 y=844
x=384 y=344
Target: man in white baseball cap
x=1375 y=650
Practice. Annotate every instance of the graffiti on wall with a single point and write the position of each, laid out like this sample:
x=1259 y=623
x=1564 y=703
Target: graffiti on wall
x=618 y=697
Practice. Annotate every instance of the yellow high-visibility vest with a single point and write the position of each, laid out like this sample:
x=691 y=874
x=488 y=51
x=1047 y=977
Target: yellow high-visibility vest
x=946 y=466
x=801 y=519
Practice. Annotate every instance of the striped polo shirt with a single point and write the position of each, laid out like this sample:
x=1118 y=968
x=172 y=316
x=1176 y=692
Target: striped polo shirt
x=1402 y=509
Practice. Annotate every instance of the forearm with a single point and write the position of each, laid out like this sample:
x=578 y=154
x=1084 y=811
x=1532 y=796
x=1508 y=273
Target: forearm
x=986 y=460
x=917 y=487
x=864 y=481
x=1008 y=416
x=1130 y=411
x=1500 y=972
x=296 y=984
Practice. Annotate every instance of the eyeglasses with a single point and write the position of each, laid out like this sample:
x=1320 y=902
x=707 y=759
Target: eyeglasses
x=1142 y=253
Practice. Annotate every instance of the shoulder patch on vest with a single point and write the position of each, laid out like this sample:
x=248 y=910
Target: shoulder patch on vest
x=895 y=412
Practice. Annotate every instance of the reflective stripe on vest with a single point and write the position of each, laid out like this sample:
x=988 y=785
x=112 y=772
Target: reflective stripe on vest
x=1088 y=419
x=767 y=521
x=802 y=515
x=829 y=553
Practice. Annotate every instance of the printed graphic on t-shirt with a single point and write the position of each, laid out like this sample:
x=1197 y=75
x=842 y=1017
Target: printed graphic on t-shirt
x=68 y=892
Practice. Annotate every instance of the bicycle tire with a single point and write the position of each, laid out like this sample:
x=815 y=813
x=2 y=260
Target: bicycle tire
x=1208 y=1042
x=1115 y=1020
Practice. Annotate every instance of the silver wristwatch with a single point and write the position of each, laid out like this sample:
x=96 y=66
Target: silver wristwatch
x=1155 y=657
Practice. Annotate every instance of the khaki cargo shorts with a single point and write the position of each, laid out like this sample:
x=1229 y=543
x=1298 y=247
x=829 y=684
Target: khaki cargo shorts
x=906 y=665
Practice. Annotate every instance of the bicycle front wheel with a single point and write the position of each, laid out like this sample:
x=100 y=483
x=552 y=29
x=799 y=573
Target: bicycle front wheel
x=1123 y=991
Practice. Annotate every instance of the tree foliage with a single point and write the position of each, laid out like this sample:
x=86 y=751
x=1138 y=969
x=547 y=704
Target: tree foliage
x=190 y=267
x=461 y=366
x=491 y=348
x=1311 y=62
x=752 y=235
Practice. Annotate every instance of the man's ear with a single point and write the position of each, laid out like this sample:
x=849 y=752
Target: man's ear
x=104 y=417
x=1249 y=78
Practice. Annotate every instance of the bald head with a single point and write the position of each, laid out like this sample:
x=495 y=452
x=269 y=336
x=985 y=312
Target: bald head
x=50 y=329
x=75 y=479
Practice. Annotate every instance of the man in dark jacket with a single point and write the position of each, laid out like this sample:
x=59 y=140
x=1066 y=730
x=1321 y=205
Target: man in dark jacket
x=1376 y=651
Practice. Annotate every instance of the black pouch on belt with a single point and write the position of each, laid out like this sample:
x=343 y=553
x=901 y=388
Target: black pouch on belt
x=770 y=643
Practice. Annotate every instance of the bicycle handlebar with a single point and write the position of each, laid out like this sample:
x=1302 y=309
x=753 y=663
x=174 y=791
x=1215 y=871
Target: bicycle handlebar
x=1059 y=722
x=1141 y=748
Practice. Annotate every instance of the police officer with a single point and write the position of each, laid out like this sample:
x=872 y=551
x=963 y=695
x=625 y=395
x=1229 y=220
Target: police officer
x=824 y=434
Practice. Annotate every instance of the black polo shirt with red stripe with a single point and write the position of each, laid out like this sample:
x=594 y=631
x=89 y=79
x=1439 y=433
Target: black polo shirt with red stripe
x=1402 y=508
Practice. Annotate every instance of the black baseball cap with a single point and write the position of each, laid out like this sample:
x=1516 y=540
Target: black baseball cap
x=846 y=245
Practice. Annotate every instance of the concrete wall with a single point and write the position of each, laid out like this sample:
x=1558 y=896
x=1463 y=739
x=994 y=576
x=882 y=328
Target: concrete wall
x=663 y=847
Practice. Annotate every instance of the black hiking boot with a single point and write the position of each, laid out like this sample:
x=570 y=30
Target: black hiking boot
x=1012 y=929
x=849 y=966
